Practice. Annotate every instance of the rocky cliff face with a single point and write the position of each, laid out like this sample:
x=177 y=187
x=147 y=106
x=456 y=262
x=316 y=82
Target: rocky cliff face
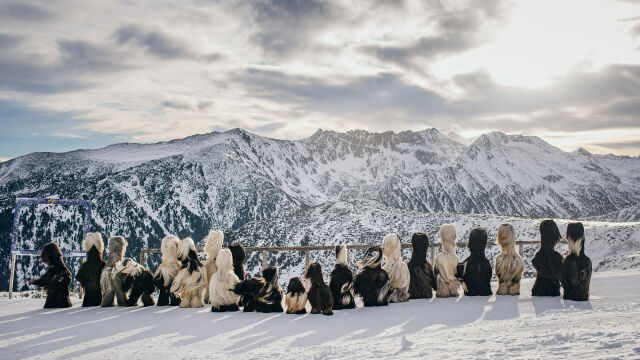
x=226 y=180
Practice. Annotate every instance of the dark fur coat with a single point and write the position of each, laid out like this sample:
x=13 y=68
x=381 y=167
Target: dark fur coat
x=422 y=280
x=372 y=282
x=547 y=261
x=319 y=294
x=56 y=279
x=576 y=267
x=341 y=281
x=475 y=271
x=89 y=277
x=248 y=290
x=269 y=298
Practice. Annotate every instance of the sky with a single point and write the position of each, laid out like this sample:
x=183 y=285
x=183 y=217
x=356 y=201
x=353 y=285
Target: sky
x=86 y=74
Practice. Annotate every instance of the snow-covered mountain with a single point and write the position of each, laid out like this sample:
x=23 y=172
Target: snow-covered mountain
x=225 y=180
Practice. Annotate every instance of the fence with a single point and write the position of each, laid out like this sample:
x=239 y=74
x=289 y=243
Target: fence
x=307 y=249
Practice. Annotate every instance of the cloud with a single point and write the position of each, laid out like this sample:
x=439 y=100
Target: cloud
x=610 y=98
x=61 y=72
x=285 y=25
x=377 y=95
x=457 y=29
x=25 y=12
x=9 y=40
x=83 y=56
x=159 y=45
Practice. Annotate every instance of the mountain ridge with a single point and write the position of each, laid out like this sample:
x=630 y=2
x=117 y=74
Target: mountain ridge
x=223 y=180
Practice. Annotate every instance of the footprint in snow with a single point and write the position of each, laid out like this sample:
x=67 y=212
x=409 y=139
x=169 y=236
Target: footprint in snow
x=405 y=344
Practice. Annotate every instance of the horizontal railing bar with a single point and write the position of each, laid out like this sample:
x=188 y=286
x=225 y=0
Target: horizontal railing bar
x=332 y=247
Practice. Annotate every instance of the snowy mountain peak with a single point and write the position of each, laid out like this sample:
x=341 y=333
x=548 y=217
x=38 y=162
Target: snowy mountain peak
x=224 y=180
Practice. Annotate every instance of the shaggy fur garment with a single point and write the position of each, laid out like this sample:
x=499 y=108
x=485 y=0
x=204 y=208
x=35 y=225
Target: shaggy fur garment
x=117 y=248
x=137 y=279
x=248 y=290
x=238 y=259
x=222 y=297
x=398 y=271
x=167 y=271
x=509 y=265
x=56 y=278
x=421 y=278
x=296 y=298
x=189 y=284
x=475 y=271
x=319 y=294
x=89 y=273
x=212 y=246
x=446 y=264
x=341 y=281
x=269 y=298
x=372 y=282
x=576 y=267
x=547 y=261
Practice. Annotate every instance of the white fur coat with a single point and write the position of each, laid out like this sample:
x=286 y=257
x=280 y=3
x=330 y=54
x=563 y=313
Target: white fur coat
x=189 y=284
x=170 y=265
x=509 y=264
x=446 y=262
x=396 y=268
x=223 y=281
x=212 y=246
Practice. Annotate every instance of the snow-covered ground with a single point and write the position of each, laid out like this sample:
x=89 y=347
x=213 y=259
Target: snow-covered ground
x=607 y=326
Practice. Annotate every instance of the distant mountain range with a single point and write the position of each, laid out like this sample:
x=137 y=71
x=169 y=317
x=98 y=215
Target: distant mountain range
x=229 y=179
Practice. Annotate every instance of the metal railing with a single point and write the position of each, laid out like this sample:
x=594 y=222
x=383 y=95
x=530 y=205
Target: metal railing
x=307 y=249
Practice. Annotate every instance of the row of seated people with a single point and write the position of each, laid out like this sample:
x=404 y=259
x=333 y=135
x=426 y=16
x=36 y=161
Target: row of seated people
x=185 y=281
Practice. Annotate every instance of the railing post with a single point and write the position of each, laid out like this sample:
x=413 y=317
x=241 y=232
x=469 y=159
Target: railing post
x=264 y=259
x=521 y=249
x=143 y=257
x=13 y=272
x=80 y=289
x=306 y=260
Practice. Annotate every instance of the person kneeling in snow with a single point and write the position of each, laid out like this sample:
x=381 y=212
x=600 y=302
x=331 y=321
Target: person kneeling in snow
x=372 y=282
x=270 y=296
x=319 y=294
x=89 y=273
x=421 y=279
x=396 y=268
x=212 y=246
x=190 y=281
x=509 y=265
x=576 y=267
x=167 y=271
x=137 y=278
x=296 y=298
x=56 y=279
x=547 y=261
x=475 y=271
x=341 y=280
x=446 y=263
x=221 y=295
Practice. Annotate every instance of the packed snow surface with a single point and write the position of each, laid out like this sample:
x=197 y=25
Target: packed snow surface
x=606 y=326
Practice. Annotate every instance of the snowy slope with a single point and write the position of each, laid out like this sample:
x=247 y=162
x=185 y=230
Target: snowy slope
x=482 y=327
x=225 y=180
